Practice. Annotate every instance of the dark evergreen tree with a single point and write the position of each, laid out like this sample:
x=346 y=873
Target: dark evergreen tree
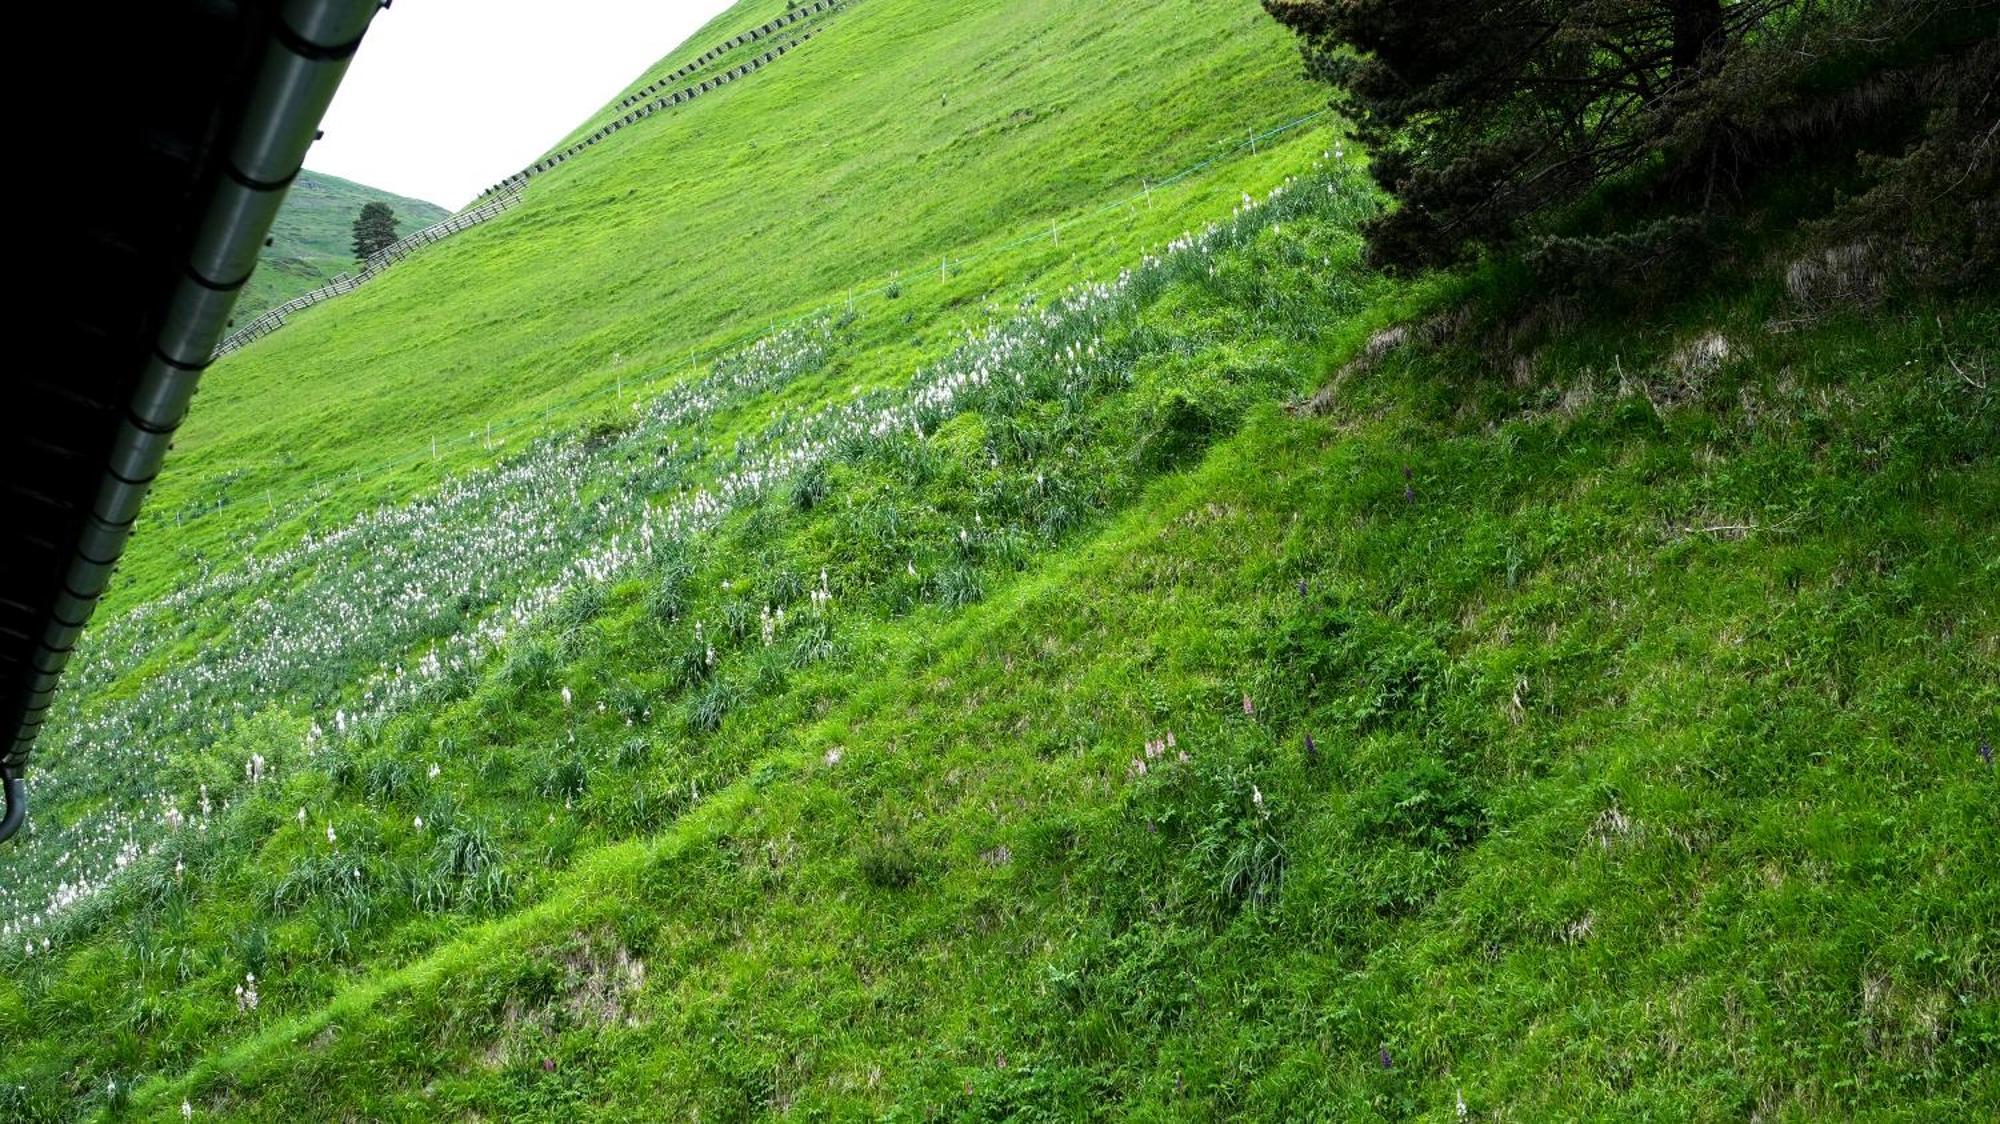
x=1484 y=115
x=374 y=228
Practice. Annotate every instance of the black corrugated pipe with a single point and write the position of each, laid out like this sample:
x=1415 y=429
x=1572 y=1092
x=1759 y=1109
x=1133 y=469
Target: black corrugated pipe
x=309 y=49
x=17 y=802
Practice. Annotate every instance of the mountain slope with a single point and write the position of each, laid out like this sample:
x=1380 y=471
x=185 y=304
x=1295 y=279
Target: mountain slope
x=1139 y=674
x=906 y=134
x=313 y=237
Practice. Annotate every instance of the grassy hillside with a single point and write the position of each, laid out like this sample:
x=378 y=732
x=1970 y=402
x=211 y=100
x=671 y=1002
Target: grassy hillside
x=313 y=237
x=1137 y=674
x=908 y=133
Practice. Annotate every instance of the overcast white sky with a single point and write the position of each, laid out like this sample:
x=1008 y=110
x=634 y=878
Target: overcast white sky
x=448 y=96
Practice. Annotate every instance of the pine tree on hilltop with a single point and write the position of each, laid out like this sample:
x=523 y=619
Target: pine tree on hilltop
x=374 y=229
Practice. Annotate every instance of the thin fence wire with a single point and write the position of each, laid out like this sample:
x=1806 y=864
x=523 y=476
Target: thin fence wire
x=494 y=434
x=678 y=97
x=755 y=34
x=506 y=193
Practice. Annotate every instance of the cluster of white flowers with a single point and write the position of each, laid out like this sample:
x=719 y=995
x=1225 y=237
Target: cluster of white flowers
x=489 y=552
x=246 y=993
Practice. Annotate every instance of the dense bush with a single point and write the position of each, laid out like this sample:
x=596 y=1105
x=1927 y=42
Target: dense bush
x=1486 y=120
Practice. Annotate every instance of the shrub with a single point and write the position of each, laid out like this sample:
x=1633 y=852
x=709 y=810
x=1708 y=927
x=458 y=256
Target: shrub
x=708 y=709
x=388 y=777
x=958 y=587
x=1371 y=671
x=630 y=703
x=566 y=779
x=1425 y=804
x=889 y=864
x=531 y=666
x=810 y=487
x=465 y=871
x=633 y=752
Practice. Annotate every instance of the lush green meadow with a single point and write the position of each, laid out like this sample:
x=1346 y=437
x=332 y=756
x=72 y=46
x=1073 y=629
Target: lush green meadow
x=909 y=133
x=1137 y=674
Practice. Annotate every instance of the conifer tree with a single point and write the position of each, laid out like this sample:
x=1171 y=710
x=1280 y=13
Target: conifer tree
x=374 y=228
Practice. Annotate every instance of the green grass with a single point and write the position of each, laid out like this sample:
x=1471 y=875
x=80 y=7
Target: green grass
x=1644 y=695
x=907 y=133
x=313 y=238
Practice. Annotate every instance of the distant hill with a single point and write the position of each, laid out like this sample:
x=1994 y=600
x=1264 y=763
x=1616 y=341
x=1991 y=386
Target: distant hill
x=312 y=236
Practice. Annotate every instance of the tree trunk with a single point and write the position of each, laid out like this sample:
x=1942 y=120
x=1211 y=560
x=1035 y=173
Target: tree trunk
x=1697 y=30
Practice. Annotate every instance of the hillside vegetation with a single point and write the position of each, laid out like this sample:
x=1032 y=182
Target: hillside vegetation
x=1159 y=670
x=906 y=134
x=312 y=239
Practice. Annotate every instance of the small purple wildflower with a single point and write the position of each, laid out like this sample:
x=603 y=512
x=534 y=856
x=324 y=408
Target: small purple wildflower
x=1312 y=750
x=1986 y=751
x=1248 y=706
x=1302 y=587
x=1386 y=1063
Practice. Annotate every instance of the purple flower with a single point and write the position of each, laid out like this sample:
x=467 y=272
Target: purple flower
x=1386 y=1063
x=1312 y=750
x=1248 y=706
x=1986 y=752
x=1302 y=587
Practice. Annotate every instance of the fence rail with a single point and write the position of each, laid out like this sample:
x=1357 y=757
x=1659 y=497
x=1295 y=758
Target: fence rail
x=270 y=319
x=668 y=101
x=507 y=192
x=753 y=35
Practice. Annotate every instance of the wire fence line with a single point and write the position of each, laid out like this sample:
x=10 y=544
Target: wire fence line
x=271 y=319
x=638 y=385
x=507 y=192
x=667 y=101
x=753 y=35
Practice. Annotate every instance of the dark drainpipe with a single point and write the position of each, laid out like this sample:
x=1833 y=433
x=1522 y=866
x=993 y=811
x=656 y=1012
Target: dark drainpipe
x=311 y=43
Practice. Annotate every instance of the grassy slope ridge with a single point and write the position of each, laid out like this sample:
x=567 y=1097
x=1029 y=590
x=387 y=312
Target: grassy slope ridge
x=313 y=237
x=907 y=133
x=1644 y=681
x=1610 y=811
